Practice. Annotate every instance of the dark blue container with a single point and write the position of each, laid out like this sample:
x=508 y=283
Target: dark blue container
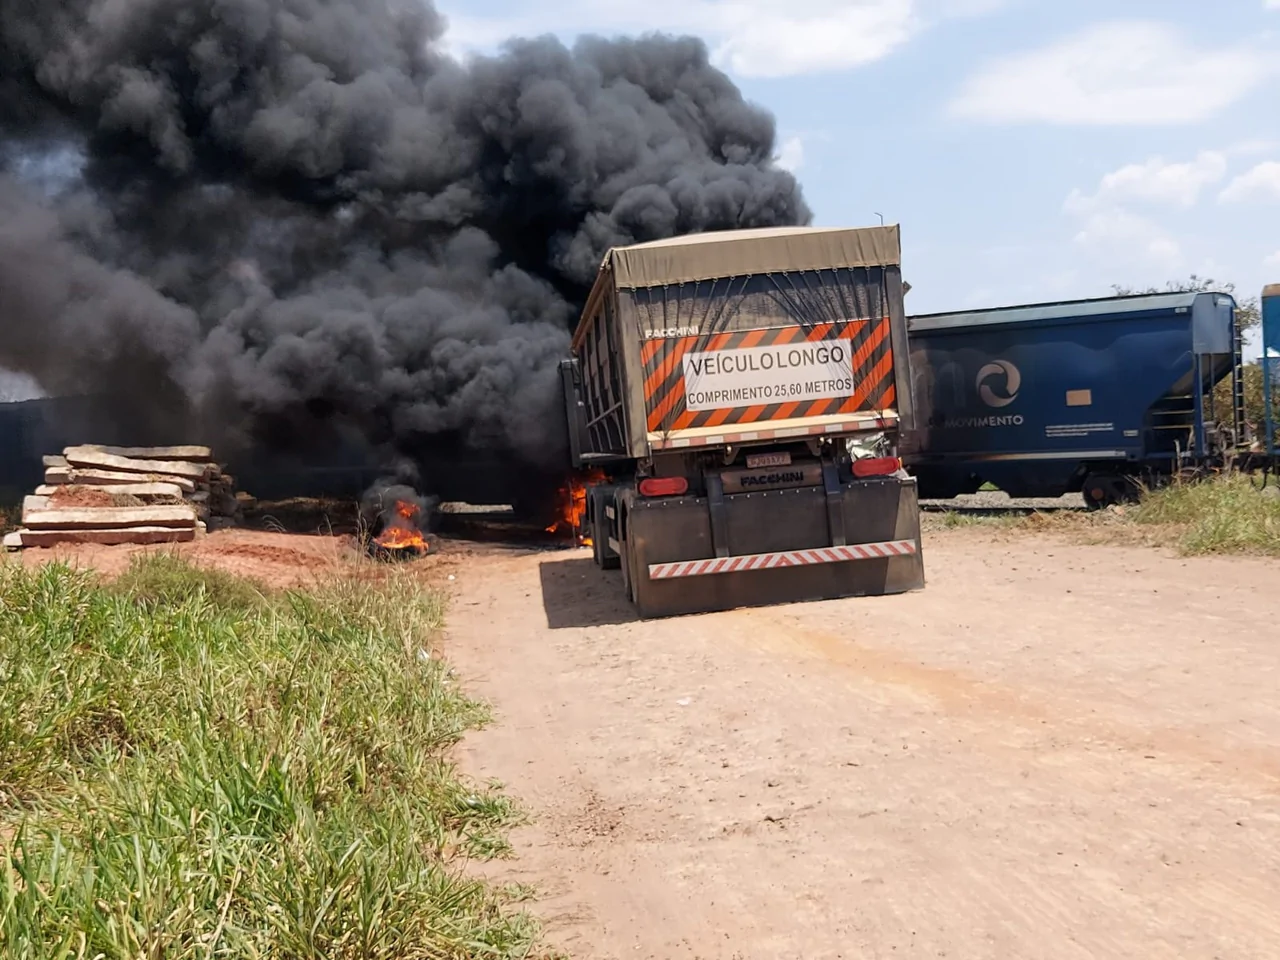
x=1270 y=364
x=1088 y=395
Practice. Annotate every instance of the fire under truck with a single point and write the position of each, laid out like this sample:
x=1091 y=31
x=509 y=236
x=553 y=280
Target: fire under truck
x=737 y=398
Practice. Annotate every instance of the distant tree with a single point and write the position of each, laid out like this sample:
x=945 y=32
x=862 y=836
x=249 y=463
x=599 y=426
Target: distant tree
x=1249 y=317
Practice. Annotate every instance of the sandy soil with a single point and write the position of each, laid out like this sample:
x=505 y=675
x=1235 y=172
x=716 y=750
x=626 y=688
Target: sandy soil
x=1054 y=751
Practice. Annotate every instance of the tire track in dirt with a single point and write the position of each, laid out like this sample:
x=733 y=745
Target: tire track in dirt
x=958 y=694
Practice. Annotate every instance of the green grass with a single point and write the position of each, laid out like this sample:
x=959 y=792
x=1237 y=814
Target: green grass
x=192 y=767
x=168 y=579
x=1229 y=514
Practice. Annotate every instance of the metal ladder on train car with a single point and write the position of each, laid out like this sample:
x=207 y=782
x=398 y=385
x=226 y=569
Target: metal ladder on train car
x=1238 y=422
x=1179 y=413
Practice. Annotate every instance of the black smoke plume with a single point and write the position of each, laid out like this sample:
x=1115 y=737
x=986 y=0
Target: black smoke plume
x=278 y=219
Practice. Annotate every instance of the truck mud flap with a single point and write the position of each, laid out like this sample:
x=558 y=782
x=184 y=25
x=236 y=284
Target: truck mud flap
x=780 y=548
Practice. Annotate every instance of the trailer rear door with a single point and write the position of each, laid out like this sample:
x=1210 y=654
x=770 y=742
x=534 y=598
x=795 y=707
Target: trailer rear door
x=753 y=335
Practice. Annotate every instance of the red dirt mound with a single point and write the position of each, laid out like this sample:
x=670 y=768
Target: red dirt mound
x=89 y=497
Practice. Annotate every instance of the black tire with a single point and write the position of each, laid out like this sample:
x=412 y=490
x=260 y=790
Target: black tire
x=608 y=559
x=597 y=551
x=624 y=561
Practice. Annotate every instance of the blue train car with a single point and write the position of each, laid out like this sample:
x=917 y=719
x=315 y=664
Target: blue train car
x=1270 y=361
x=1089 y=395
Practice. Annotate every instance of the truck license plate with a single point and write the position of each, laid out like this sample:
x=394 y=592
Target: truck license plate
x=757 y=460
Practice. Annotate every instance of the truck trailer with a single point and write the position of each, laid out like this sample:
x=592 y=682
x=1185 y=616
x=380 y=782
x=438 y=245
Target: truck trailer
x=1098 y=397
x=714 y=386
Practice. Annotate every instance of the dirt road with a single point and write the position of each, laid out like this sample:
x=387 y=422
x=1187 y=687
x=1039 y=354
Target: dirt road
x=1054 y=751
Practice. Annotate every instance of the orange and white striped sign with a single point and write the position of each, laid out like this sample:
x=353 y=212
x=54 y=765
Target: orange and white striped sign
x=767 y=375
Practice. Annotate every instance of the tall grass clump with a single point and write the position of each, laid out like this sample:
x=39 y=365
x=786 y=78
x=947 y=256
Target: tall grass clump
x=168 y=579
x=192 y=767
x=1228 y=514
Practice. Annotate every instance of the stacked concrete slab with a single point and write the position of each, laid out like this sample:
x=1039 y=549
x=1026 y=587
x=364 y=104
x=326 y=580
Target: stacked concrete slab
x=117 y=495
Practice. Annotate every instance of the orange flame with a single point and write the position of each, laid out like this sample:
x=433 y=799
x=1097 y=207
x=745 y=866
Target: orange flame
x=572 y=505
x=403 y=535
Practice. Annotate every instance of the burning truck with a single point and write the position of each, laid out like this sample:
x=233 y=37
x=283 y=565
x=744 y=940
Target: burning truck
x=714 y=386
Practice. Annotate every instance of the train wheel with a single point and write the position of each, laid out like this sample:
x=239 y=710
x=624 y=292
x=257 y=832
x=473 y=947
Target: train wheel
x=1102 y=490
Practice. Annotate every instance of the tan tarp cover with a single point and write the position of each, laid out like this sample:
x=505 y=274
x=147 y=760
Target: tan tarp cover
x=1271 y=290
x=738 y=253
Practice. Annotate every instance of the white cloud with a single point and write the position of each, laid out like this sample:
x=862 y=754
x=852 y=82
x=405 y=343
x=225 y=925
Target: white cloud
x=1123 y=72
x=1145 y=223
x=1116 y=234
x=1260 y=183
x=1108 y=224
x=791 y=154
x=1160 y=182
x=1252 y=147
x=760 y=38
x=770 y=39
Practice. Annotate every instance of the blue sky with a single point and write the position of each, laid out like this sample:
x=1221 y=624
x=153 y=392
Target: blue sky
x=1031 y=150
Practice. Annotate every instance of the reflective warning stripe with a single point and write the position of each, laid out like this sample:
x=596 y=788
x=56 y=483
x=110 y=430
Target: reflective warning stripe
x=788 y=558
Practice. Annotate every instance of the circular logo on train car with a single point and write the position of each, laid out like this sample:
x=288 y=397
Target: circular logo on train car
x=1012 y=381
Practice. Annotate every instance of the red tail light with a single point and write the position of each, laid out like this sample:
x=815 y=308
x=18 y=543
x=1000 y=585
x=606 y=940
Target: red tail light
x=663 y=486
x=876 y=466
